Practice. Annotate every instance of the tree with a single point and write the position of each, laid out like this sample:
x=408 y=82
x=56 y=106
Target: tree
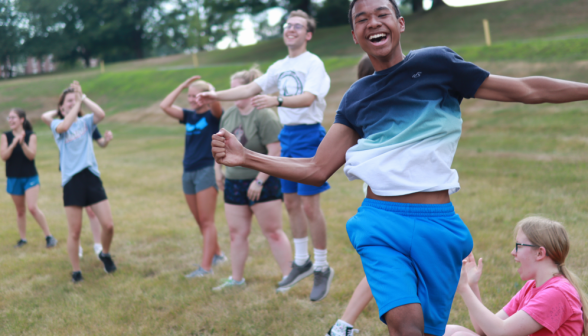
x=10 y=37
x=333 y=13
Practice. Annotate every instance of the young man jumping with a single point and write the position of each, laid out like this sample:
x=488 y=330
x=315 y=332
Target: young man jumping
x=302 y=84
x=397 y=130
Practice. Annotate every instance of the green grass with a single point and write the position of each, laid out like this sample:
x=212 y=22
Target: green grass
x=513 y=160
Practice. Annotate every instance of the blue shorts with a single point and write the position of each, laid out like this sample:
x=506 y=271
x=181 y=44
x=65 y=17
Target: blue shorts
x=411 y=253
x=18 y=185
x=301 y=141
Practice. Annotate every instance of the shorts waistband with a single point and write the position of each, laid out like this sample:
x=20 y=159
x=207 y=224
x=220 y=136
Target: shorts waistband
x=301 y=127
x=411 y=209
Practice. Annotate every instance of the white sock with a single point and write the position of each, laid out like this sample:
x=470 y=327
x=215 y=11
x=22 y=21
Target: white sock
x=320 y=259
x=343 y=323
x=300 y=250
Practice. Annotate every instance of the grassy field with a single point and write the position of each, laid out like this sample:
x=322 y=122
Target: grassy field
x=513 y=160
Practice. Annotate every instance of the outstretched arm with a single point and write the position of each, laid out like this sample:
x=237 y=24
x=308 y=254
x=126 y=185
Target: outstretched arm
x=167 y=105
x=330 y=155
x=531 y=90
x=302 y=100
x=237 y=93
x=519 y=324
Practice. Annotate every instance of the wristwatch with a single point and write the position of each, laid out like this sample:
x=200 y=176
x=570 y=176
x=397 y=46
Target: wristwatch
x=280 y=101
x=259 y=182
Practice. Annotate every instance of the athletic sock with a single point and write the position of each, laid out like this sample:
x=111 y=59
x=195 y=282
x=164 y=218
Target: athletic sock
x=300 y=250
x=320 y=259
x=343 y=323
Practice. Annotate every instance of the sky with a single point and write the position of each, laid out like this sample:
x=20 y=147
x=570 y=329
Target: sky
x=247 y=34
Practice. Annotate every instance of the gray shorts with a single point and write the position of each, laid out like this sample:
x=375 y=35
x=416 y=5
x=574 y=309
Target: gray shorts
x=195 y=181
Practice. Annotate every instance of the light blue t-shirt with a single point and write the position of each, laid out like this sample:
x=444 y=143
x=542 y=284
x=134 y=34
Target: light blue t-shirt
x=76 y=151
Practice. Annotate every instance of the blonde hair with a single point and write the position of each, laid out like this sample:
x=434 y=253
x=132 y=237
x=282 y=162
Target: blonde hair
x=247 y=76
x=201 y=85
x=552 y=236
x=310 y=21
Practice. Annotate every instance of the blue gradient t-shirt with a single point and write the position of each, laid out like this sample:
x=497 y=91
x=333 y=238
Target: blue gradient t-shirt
x=409 y=122
x=199 y=130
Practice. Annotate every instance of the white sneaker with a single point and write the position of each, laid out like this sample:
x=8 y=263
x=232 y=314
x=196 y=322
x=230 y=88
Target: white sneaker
x=97 y=248
x=81 y=251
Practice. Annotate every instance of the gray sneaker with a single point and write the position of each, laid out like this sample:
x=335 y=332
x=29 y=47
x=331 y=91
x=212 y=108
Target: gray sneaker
x=298 y=273
x=51 y=241
x=218 y=259
x=199 y=273
x=322 y=283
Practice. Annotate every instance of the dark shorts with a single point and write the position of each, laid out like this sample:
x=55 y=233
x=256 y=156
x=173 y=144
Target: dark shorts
x=236 y=191
x=83 y=189
x=301 y=141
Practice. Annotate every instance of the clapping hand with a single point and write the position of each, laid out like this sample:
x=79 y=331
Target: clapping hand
x=473 y=271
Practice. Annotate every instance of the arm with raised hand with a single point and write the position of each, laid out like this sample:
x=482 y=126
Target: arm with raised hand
x=215 y=107
x=5 y=148
x=330 y=155
x=105 y=140
x=29 y=150
x=531 y=90
x=519 y=324
x=71 y=116
x=237 y=93
x=48 y=117
x=167 y=104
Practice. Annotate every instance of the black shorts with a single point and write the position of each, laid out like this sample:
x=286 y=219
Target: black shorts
x=236 y=191
x=83 y=189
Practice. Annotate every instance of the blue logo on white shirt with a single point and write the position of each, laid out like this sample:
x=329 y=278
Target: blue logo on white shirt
x=199 y=126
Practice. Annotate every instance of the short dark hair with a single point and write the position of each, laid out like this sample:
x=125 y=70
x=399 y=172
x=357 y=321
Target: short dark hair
x=352 y=4
x=310 y=21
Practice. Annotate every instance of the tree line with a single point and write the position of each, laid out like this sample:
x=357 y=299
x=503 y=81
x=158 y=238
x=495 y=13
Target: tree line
x=117 y=30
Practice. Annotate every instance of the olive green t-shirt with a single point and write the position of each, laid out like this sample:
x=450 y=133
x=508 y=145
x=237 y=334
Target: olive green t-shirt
x=254 y=131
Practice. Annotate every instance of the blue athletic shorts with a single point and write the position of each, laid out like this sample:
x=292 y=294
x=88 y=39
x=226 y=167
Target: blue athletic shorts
x=301 y=141
x=411 y=253
x=18 y=185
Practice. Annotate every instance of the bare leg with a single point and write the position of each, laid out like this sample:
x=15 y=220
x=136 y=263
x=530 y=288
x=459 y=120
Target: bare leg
x=94 y=225
x=316 y=220
x=239 y=221
x=406 y=320
x=74 y=222
x=455 y=330
x=32 y=195
x=203 y=205
x=298 y=220
x=359 y=300
x=269 y=216
x=102 y=211
x=21 y=215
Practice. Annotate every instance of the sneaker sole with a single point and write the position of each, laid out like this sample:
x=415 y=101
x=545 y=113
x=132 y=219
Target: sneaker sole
x=331 y=276
x=301 y=276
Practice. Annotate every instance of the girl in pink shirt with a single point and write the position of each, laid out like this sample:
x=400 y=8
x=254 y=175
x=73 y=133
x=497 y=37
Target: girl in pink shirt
x=550 y=303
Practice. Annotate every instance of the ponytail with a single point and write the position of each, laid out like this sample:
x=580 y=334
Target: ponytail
x=577 y=283
x=26 y=125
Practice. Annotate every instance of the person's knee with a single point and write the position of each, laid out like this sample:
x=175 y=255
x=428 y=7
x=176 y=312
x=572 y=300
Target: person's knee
x=108 y=227
x=405 y=320
x=75 y=233
x=311 y=208
x=292 y=204
x=33 y=209
x=273 y=235
x=238 y=234
x=21 y=212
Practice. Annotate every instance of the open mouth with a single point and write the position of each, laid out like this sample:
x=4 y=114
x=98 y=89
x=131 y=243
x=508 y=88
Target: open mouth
x=378 y=38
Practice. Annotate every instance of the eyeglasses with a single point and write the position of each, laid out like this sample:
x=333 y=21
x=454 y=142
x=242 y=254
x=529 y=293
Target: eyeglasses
x=11 y=118
x=295 y=26
x=519 y=244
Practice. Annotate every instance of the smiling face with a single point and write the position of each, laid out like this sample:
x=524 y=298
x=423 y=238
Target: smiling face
x=295 y=38
x=14 y=121
x=527 y=256
x=68 y=102
x=376 y=29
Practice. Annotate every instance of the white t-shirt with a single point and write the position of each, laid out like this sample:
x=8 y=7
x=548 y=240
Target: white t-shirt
x=292 y=77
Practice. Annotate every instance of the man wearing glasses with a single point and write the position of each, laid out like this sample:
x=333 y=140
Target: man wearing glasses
x=302 y=83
